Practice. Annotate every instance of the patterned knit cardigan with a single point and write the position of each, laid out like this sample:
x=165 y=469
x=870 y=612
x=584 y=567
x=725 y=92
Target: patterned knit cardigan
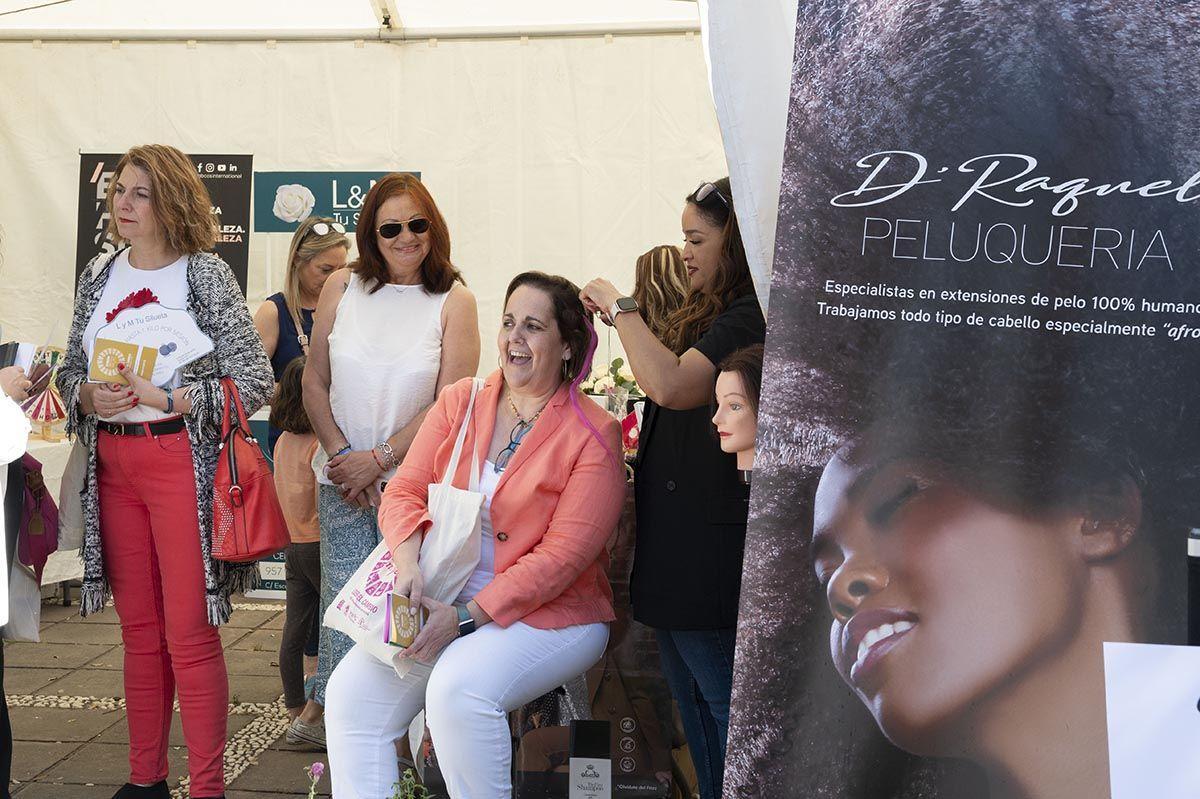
x=217 y=305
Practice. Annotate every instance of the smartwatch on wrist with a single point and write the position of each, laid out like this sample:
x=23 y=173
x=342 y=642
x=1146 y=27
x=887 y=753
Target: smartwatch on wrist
x=622 y=305
x=466 y=624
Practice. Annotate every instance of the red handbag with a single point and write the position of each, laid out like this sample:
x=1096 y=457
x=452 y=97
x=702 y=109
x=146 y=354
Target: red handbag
x=248 y=524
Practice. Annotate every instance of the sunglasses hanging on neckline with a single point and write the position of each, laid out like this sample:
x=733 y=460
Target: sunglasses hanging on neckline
x=390 y=230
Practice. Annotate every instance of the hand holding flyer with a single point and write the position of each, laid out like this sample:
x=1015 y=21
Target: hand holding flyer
x=154 y=340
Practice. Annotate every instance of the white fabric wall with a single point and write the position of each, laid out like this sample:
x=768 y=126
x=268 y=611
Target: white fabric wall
x=567 y=155
x=751 y=46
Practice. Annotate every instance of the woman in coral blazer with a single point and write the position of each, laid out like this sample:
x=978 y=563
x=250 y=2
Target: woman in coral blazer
x=535 y=612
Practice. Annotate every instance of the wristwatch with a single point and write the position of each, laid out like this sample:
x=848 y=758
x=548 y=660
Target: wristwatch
x=466 y=624
x=622 y=305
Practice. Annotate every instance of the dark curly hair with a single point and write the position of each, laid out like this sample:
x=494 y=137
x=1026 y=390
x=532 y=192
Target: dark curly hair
x=731 y=280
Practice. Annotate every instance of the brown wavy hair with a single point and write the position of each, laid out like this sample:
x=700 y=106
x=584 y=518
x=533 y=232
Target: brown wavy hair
x=180 y=201
x=732 y=278
x=437 y=272
x=660 y=286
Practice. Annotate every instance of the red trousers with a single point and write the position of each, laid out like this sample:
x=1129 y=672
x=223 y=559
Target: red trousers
x=151 y=542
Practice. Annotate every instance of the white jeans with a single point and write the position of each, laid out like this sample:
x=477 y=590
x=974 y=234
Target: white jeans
x=467 y=695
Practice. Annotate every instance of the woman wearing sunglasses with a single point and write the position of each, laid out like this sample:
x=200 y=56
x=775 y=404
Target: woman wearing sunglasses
x=391 y=332
x=284 y=322
x=691 y=504
x=535 y=611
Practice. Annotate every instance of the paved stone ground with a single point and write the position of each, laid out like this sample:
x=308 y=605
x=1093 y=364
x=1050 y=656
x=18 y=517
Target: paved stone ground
x=65 y=699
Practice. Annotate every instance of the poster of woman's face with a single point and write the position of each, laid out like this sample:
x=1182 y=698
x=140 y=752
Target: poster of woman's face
x=979 y=441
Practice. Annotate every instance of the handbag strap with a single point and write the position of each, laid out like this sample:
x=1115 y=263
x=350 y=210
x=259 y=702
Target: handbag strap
x=448 y=477
x=233 y=401
x=301 y=339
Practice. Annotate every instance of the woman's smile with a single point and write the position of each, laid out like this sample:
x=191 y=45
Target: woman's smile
x=867 y=639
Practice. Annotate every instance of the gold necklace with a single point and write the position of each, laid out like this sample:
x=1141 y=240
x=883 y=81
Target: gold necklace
x=526 y=423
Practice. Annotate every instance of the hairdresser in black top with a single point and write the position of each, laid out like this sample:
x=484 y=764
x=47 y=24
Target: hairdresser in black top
x=691 y=506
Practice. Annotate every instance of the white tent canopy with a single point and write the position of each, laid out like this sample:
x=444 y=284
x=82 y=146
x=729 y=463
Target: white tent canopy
x=286 y=19
x=570 y=151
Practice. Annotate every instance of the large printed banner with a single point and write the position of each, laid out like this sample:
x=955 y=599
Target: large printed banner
x=284 y=199
x=979 y=452
x=227 y=178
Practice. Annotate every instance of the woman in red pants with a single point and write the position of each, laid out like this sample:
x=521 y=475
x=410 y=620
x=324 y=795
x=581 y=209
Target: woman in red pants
x=152 y=452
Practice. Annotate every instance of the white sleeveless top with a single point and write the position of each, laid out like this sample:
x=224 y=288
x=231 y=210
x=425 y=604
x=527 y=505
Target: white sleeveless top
x=385 y=353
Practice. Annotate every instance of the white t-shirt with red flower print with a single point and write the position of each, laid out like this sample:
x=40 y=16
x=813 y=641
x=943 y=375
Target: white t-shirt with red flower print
x=130 y=287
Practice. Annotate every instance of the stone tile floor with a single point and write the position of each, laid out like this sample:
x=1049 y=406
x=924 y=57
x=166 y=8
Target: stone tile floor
x=65 y=700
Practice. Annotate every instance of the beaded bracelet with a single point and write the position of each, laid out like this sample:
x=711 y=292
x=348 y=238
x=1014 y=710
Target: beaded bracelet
x=341 y=451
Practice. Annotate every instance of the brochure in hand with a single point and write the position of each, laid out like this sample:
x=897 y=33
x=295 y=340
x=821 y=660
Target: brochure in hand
x=153 y=339
x=401 y=626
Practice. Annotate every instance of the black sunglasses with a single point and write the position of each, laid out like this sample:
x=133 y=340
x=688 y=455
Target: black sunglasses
x=390 y=230
x=706 y=190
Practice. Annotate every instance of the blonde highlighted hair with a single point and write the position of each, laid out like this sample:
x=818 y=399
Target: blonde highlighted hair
x=306 y=245
x=660 y=286
x=180 y=201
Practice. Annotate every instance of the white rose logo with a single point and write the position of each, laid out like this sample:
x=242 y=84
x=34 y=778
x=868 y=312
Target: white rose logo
x=293 y=202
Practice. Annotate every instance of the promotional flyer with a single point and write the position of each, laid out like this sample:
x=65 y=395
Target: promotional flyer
x=979 y=447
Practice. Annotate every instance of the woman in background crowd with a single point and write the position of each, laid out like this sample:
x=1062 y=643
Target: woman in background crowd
x=739 y=385
x=691 y=506
x=660 y=286
x=152 y=456
x=391 y=332
x=318 y=249
x=534 y=613
x=284 y=322
x=296 y=486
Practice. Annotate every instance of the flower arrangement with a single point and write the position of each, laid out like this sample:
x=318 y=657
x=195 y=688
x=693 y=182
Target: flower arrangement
x=614 y=385
x=614 y=378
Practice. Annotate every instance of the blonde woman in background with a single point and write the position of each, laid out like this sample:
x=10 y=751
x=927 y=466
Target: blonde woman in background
x=660 y=286
x=319 y=248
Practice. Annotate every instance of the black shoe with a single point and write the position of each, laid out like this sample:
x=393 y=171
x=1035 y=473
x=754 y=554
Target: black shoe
x=158 y=790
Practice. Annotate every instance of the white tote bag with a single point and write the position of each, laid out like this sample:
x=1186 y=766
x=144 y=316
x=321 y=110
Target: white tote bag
x=24 y=605
x=70 y=498
x=449 y=554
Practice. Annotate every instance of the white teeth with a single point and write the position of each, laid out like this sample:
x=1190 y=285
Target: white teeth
x=880 y=633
